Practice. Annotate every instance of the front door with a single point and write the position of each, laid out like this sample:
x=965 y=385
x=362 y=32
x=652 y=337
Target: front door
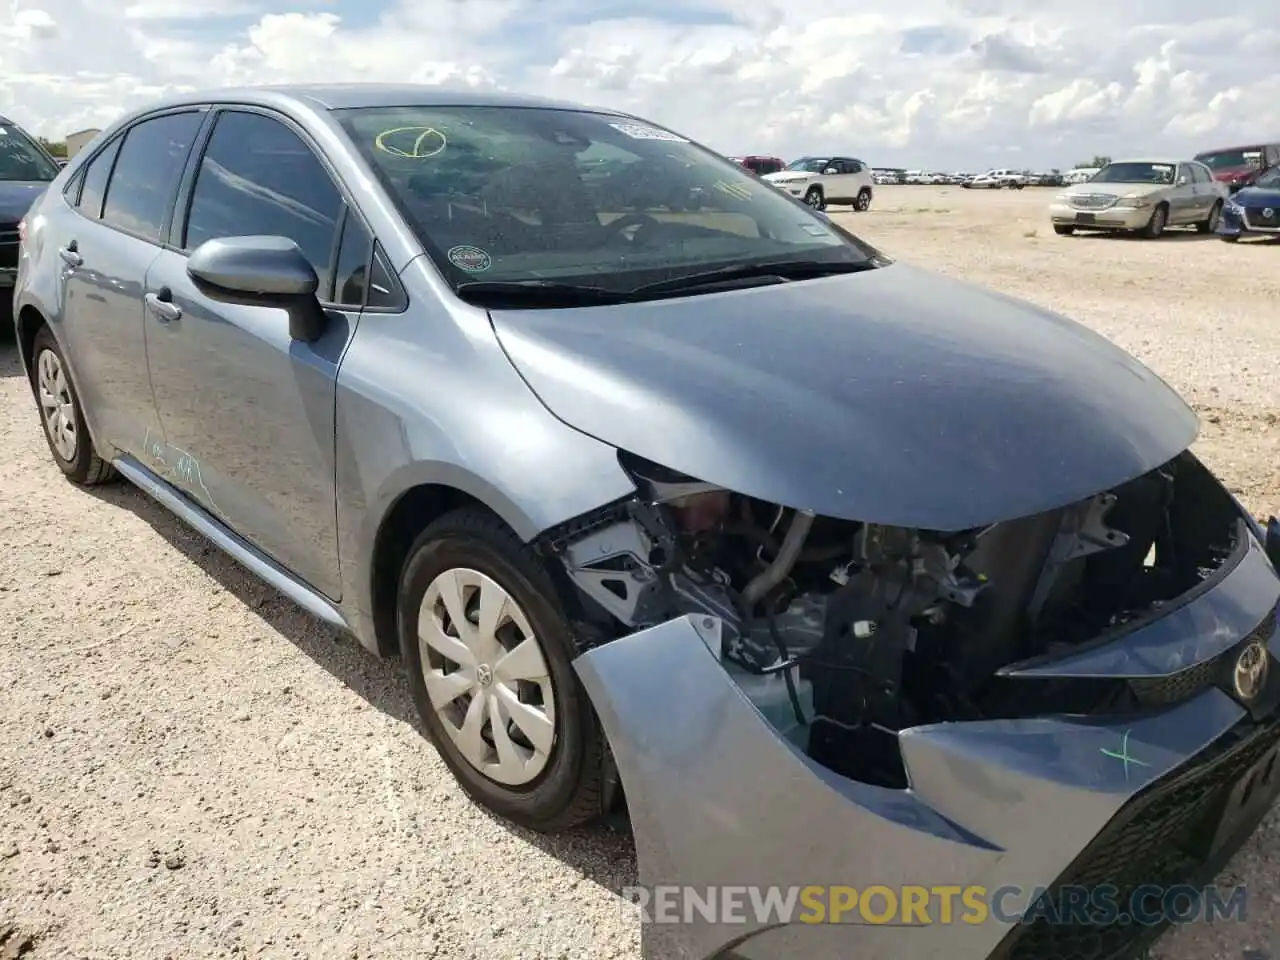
x=112 y=236
x=248 y=412
x=1184 y=204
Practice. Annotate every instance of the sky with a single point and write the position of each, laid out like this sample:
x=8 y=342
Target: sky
x=933 y=84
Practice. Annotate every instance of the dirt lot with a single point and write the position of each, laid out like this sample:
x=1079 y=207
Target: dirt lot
x=191 y=767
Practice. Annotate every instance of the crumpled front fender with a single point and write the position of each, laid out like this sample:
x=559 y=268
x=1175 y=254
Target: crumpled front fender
x=717 y=797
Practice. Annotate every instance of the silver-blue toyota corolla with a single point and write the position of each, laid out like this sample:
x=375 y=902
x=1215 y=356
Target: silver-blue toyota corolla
x=663 y=485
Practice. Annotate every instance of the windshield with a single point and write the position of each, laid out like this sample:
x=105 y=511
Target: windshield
x=20 y=159
x=1156 y=173
x=532 y=194
x=809 y=164
x=1232 y=159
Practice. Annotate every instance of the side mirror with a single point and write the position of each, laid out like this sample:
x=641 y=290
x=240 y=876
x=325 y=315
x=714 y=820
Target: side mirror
x=60 y=161
x=262 y=272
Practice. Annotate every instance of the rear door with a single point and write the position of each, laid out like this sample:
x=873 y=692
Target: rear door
x=248 y=412
x=122 y=204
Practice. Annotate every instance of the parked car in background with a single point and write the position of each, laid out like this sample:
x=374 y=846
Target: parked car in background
x=760 y=165
x=889 y=175
x=1079 y=175
x=1254 y=209
x=26 y=169
x=834 y=568
x=998 y=179
x=1141 y=196
x=1239 y=166
x=821 y=181
x=1046 y=180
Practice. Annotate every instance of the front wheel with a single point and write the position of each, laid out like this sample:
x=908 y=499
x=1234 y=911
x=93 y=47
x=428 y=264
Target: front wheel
x=1210 y=224
x=862 y=203
x=488 y=651
x=814 y=198
x=1155 y=226
x=1063 y=230
x=62 y=415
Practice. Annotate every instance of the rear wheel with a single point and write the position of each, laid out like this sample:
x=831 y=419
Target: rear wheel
x=62 y=416
x=1155 y=226
x=1063 y=230
x=1210 y=224
x=489 y=652
x=815 y=199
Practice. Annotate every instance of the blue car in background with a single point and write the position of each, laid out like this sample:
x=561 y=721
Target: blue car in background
x=1253 y=210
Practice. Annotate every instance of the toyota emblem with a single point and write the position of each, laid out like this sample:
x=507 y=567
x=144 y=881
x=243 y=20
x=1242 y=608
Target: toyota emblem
x=1251 y=671
x=1268 y=213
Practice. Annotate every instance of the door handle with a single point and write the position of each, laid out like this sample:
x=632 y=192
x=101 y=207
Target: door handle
x=162 y=305
x=69 y=255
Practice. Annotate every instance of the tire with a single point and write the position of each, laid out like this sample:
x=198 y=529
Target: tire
x=1210 y=224
x=74 y=454
x=1230 y=239
x=862 y=202
x=566 y=788
x=815 y=199
x=1155 y=226
x=1063 y=230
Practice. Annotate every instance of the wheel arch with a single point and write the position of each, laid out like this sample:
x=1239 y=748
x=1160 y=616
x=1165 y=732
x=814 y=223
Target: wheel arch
x=28 y=323
x=416 y=508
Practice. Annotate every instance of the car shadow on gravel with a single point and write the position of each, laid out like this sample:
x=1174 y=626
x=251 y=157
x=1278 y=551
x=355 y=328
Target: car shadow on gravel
x=9 y=365
x=1173 y=235
x=603 y=853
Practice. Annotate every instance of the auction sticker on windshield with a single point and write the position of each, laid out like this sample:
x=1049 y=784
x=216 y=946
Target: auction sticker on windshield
x=470 y=259
x=641 y=131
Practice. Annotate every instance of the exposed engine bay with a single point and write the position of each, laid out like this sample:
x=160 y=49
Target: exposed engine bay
x=844 y=633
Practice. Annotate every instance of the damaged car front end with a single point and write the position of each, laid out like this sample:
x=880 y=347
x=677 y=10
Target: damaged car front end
x=802 y=700
x=801 y=686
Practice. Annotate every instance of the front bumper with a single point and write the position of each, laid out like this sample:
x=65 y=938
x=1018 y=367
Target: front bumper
x=797 y=189
x=1108 y=218
x=719 y=799
x=1237 y=221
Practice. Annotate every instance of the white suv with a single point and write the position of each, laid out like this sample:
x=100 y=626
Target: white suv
x=820 y=181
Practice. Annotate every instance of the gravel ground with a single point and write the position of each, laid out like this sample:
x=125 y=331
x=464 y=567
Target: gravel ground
x=190 y=766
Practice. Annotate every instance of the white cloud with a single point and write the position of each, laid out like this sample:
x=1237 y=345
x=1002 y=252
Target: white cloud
x=949 y=83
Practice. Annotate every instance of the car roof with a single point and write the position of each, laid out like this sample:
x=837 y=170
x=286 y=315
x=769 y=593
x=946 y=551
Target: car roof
x=342 y=96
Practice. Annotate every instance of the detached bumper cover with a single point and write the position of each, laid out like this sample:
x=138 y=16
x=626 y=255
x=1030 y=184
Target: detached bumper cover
x=718 y=798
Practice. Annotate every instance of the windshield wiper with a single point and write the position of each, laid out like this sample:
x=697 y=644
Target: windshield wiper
x=782 y=269
x=536 y=293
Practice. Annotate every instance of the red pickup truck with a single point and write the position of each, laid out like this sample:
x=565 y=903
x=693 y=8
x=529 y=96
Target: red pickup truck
x=1239 y=166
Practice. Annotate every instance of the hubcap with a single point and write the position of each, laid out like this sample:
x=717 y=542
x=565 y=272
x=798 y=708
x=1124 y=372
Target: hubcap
x=55 y=404
x=814 y=199
x=486 y=676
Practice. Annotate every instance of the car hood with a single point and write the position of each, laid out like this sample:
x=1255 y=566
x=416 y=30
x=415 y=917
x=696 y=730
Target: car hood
x=1228 y=174
x=1119 y=189
x=1257 y=196
x=16 y=197
x=894 y=396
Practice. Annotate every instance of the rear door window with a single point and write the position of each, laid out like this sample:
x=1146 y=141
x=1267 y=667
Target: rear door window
x=96 y=174
x=145 y=180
